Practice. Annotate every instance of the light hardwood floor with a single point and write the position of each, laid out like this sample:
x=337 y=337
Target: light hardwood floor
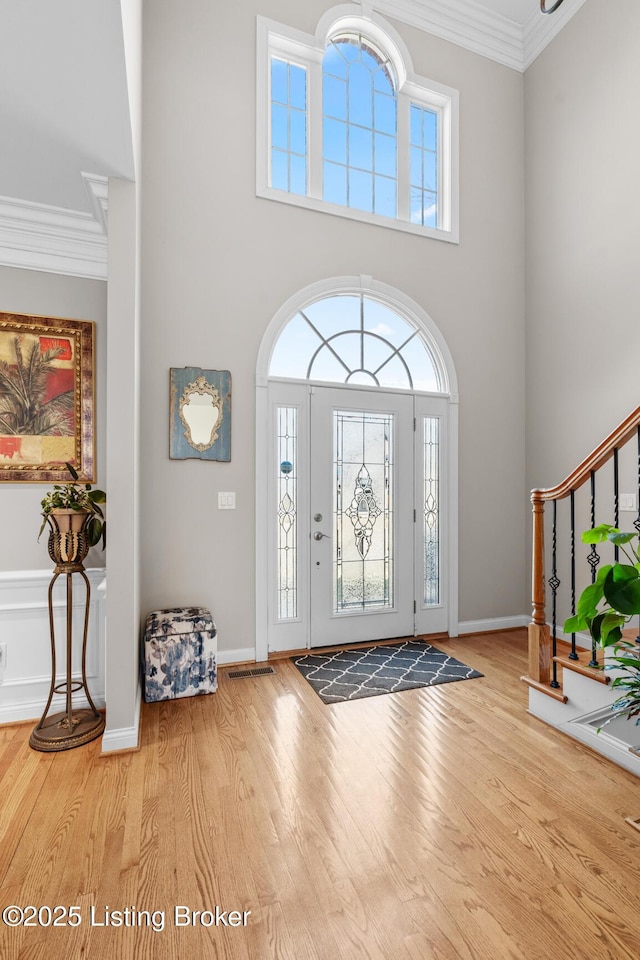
x=434 y=824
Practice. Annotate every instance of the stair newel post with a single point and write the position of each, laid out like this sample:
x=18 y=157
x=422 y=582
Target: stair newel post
x=539 y=638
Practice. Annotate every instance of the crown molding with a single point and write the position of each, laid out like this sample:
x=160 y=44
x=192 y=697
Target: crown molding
x=463 y=22
x=470 y=25
x=98 y=191
x=36 y=236
x=540 y=31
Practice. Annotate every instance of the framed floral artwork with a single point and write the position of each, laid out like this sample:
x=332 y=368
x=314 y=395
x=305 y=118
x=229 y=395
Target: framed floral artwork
x=46 y=398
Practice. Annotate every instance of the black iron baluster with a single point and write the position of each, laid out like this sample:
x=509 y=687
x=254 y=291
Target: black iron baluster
x=636 y=522
x=554 y=583
x=594 y=560
x=616 y=504
x=573 y=655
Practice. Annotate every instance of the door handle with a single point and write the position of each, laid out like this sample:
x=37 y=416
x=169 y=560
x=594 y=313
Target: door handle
x=318 y=535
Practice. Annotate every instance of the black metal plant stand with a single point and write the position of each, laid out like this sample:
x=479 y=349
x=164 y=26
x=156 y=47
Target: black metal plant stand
x=71 y=727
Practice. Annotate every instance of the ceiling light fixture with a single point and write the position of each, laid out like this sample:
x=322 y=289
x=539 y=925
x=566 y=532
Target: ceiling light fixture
x=552 y=9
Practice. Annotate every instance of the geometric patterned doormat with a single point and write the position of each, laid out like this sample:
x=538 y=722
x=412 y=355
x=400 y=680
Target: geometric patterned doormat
x=371 y=671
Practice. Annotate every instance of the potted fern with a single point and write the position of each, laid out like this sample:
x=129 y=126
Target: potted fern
x=606 y=606
x=75 y=518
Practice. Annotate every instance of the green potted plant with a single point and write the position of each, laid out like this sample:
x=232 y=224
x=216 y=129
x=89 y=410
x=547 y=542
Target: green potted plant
x=75 y=517
x=606 y=606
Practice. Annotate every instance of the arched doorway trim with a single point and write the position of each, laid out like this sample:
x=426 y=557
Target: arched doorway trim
x=414 y=314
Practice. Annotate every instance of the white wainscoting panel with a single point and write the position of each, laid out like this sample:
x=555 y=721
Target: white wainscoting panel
x=25 y=646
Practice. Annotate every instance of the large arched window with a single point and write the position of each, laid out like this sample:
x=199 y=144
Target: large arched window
x=344 y=126
x=355 y=339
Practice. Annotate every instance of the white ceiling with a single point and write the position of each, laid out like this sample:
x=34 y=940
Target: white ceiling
x=63 y=96
x=63 y=99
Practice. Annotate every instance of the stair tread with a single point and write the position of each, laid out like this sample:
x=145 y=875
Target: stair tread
x=554 y=692
x=582 y=664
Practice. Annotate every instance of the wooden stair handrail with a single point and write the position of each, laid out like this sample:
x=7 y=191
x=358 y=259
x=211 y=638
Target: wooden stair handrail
x=540 y=641
x=596 y=459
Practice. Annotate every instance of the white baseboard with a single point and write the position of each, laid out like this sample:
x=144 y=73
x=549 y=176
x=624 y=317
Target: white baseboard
x=124 y=738
x=492 y=624
x=583 y=640
x=25 y=664
x=225 y=657
x=127 y=738
x=588 y=701
x=32 y=709
x=248 y=654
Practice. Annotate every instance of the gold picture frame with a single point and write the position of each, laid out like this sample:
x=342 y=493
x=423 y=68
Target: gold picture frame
x=46 y=398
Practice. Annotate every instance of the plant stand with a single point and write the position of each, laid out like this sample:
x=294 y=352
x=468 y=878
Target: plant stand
x=71 y=727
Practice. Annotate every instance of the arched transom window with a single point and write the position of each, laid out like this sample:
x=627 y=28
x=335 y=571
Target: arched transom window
x=355 y=339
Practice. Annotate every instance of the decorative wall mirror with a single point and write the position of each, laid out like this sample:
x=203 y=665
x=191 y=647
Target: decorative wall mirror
x=200 y=409
x=200 y=414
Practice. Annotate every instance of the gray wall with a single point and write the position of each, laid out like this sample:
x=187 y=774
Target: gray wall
x=47 y=294
x=582 y=237
x=218 y=262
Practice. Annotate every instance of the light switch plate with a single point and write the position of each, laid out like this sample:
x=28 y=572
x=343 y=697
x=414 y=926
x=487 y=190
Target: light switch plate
x=226 y=501
x=628 y=502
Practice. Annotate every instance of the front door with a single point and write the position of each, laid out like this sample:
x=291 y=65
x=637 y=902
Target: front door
x=358 y=519
x=361 y=505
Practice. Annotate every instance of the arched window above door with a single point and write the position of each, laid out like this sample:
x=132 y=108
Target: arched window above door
x=355 y=339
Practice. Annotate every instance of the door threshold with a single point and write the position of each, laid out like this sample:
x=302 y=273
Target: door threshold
x=309 y=651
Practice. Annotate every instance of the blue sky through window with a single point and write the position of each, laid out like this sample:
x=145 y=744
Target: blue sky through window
x=288 y=126
x=353 y=339
x=359 y=128
x=423 y=175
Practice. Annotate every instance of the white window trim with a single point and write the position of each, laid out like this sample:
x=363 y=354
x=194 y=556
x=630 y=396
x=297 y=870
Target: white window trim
x=305 y=50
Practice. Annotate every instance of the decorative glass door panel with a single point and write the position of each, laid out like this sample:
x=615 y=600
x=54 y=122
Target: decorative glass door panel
x=363 y=510
x=431 y=511
x=361 y=504
x=431 y=515
x=287 y=494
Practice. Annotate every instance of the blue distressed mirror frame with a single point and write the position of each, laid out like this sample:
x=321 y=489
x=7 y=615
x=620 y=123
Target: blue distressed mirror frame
x=199 y=414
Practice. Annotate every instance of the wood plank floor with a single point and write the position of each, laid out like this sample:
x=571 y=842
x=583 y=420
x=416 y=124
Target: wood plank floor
x=435 y=824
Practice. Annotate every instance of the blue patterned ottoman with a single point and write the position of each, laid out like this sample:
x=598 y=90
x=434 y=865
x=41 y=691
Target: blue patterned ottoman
x=179 y=654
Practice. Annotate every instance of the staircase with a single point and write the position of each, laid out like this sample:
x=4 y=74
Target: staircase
x=569 y=686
